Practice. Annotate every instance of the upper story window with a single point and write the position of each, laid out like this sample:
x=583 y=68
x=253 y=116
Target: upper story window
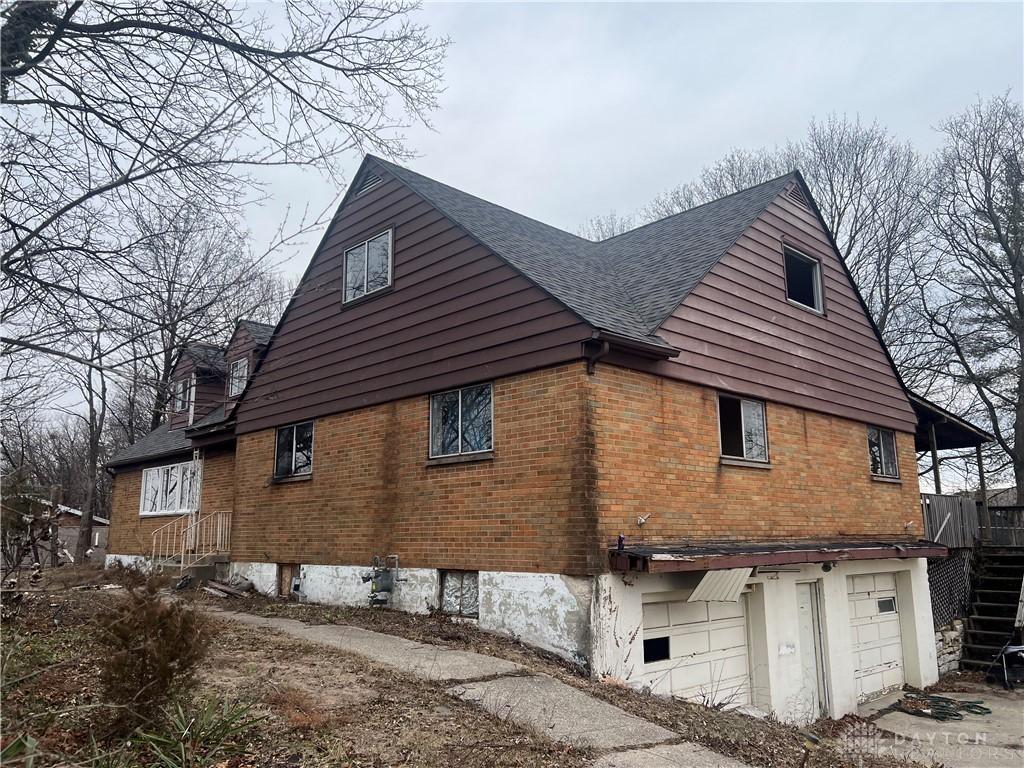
x=294 y=451
x=182 y=394
x=803 y=280
x=742 y=427
x=237 y=376
x=368 y=266
x=882 y=452
x=172 y=489
x=461 y=421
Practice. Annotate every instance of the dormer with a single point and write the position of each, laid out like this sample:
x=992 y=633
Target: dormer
x=245 y=347
x=196 y=385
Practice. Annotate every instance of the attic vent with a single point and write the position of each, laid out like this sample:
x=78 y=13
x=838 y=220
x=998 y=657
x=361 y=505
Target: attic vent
x=369 y=181
x=797 y=196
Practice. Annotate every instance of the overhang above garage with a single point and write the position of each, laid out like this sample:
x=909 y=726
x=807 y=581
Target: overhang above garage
x=713 y=556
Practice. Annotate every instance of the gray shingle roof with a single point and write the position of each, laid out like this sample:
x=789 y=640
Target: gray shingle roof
x=261 y=332
x=208 y=357
x=216 y=416
x=626 y=284
x=162 y=441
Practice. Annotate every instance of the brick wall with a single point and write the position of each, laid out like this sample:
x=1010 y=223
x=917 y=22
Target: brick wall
x=131 y=534
x=658 y=454
x=531 y=508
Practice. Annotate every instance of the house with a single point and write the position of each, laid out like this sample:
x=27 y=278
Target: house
x=681 y=456
x=68 y=522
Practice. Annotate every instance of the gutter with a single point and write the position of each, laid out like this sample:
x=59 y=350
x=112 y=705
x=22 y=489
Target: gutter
x=637 y=346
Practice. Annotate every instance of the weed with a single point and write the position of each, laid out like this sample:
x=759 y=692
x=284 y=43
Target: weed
x=199 y=737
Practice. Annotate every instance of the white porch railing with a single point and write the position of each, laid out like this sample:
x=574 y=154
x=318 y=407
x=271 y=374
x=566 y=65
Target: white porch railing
x=191 y=539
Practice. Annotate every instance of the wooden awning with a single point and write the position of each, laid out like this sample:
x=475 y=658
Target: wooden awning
x=713 y=556
x=951 y=431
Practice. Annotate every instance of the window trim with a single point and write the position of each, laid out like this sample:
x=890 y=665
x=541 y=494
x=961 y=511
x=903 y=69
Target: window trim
x=180 y=510
x=882 y=476
x=390 y=232
x=819 y=286
x=430 y=425
x=293 y=474
x=726 y=458
x=231 y=376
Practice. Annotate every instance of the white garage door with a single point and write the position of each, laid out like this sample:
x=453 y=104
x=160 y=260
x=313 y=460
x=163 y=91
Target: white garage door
x=697 y=651
x=875 y=634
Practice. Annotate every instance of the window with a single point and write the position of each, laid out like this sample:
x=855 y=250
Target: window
x=368 y=267
x=461 y=421
x=742 y=428
x=460 y=593
x=172 y=489
x=237 y=377
x=655 y=649
x=882 y=452
x=803 y=280
x=294 y=450
x=182 y=394
x=887 y=605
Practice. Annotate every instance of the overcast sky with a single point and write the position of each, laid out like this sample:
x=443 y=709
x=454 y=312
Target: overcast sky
x=564 y=111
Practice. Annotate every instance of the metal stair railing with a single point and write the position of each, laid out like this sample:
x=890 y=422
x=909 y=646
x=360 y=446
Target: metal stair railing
x=190 y=539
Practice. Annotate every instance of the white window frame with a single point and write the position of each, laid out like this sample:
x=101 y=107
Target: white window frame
x=312 y=438
x=743 y=428
x=430 y=426
x=182 y=507
x=232 y=392
x=364 y=245
x=881 y=447
x=819 y=293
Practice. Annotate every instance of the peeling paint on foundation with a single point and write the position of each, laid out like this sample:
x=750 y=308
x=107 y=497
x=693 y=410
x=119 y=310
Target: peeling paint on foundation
x=415 y=592
x=546 y=610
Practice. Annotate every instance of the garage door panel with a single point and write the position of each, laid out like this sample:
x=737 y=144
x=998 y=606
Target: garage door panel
x=687 y=613
x=707 y=651
x=724 y=611
x=877 y=641
x=655 y=615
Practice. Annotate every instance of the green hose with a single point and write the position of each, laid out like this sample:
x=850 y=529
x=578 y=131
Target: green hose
x=940 y=708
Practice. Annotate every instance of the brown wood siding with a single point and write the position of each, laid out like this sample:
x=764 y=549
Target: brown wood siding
x=738 y=332
x=242 y=345
x=455 y=314
x=209 y=393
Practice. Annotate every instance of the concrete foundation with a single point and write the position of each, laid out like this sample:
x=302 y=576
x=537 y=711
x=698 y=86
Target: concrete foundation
x=140 y=562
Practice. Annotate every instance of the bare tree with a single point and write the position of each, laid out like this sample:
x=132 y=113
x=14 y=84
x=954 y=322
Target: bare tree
x=110 y=105
x=608 y=225
x=971 y=286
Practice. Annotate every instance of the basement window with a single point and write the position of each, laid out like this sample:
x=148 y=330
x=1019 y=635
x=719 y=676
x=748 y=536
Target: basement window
x=294 y=450
x=742 y=428
x=460 y=593
x=882 y=452
x=461 y=421
x=368 y=267
x=656 y=649
x=803 y=280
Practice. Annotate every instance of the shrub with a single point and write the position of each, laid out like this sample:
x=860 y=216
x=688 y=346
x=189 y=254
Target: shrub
x=152 y=647
x=197 y=737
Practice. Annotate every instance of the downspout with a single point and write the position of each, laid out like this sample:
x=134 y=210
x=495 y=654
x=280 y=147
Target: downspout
x=593 y=354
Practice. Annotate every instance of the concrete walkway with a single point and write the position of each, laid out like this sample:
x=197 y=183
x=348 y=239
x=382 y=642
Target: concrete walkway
x=531 y=700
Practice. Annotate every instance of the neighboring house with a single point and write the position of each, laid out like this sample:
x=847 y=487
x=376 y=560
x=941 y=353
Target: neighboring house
x=681 y=455
x=68 y=522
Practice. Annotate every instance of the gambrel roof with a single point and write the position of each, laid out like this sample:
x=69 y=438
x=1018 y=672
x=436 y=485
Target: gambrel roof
x=626 y=284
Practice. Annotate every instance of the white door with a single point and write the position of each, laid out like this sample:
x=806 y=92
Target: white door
x=697 y=651
x=875 y=634
x=811 y=649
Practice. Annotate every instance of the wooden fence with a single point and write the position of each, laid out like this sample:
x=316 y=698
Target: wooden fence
x=950 y=520
x=1007 y=526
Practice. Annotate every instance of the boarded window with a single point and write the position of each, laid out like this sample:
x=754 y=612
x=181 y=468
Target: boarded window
x=803 y=280
x=461 y=421
x=294 y=451
x=460 y=593
x=170 y=489
x=368 y=267
x=742 y=427
x=882 y=452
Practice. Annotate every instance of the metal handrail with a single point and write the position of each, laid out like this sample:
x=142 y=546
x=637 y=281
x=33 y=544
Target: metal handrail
x=191 y=539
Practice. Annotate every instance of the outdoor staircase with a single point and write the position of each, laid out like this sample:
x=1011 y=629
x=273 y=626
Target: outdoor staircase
x=994 y=621
x=192 y=542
